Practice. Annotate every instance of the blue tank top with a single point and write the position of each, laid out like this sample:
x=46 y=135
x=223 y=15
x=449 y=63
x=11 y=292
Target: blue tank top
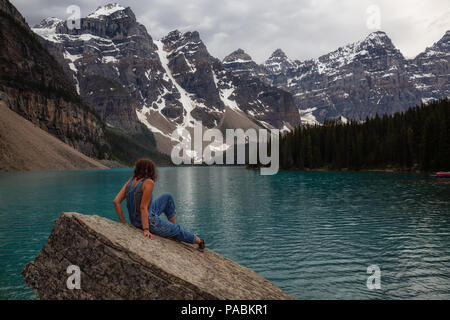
x=134 y=197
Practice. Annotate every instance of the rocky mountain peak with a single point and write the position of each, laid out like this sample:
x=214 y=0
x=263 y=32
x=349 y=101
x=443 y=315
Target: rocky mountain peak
x=100 y=58
x=375 y=52
x=278 y=54
x=447 y=36
x=240 y=64
x=49 y=23
x=106 y=10
x=429 y=70
x=111 y=21
x=177 y=38
x=238 y=56
x=278 y=62
x=438 y=50
x=445 y=40
x=172 y=36
x=376 y=44
x=186 y=47
x=379 y=38
x=193 y=35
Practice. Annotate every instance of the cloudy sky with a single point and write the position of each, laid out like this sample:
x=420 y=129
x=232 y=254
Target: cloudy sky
x=302 y=28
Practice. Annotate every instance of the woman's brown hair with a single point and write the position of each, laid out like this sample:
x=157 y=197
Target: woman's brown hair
x=145 y=168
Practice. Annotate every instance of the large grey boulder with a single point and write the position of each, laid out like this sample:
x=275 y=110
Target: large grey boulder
x=117 y=262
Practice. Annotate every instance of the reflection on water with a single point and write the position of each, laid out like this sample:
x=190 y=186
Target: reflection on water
x=311 y=233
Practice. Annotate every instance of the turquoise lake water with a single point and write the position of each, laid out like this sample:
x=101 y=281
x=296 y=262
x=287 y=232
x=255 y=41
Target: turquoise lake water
x=311 y=233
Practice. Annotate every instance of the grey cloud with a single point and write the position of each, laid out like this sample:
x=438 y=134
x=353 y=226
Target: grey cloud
x=304 y=29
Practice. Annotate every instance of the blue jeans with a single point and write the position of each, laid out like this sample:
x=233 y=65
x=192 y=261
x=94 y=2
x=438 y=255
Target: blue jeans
x=163 y=228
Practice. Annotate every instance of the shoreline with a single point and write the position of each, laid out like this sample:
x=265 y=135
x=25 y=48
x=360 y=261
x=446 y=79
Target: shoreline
x=120 y=166
x=385 y=170
x=363 y=170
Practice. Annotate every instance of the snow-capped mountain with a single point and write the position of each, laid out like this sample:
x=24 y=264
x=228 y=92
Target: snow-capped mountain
x=430 y=70
x=130 y=79
x=218 y=93
x=107 y=10
x=362 y=79
x=101 y=59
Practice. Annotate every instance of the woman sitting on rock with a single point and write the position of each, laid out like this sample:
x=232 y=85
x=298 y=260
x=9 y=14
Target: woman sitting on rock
x=144 y=212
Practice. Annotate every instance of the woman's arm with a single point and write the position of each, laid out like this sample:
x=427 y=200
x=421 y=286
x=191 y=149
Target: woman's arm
x=147 y=190
x=118 y=202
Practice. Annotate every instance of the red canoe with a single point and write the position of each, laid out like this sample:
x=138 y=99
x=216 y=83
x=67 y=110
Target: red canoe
x=443 y=174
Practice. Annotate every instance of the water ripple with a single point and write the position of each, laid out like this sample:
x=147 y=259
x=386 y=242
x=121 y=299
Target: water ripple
x=312 y=233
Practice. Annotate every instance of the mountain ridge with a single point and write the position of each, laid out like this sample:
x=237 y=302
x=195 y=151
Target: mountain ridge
x=362 y=79
x=38 y=87
x=33 y=85
x=167 y=84
x=355 y=81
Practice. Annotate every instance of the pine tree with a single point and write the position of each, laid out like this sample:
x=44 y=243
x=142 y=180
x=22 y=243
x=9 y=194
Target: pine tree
x=419 y=137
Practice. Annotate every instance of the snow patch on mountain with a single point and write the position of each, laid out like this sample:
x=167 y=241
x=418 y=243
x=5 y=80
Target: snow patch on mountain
x=106 y=10
x=226 y=91
x=72 y=67
x=237 y=60
x=109 y=59
x=342 y=119
x=49 y=23
x=51 y=35
x=225 y=95
x=185 y=99
x=46 y=33
x=307 y=116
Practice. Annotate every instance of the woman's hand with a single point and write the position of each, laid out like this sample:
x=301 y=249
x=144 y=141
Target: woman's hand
x=148 y=234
